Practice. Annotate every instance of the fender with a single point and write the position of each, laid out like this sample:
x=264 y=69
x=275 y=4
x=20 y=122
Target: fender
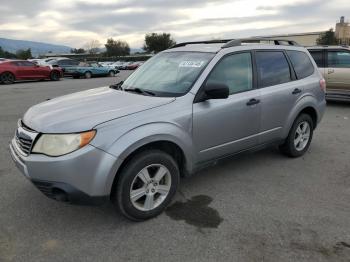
x=305 y=101
x=153 y=132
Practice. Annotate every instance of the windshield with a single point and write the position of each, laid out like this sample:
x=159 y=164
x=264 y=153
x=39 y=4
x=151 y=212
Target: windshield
x=170 y=73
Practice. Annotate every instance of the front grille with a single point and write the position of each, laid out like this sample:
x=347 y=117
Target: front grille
x=24 y=138
x=24 y=144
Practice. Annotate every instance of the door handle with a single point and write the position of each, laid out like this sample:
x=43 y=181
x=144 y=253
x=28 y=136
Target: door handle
x=253 y=101
x=296 y=91
x=330 y=71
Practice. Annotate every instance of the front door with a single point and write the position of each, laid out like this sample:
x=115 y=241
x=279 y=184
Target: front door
x=225 y=126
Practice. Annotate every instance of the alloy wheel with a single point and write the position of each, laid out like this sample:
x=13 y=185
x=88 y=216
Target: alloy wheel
x=302 y=135
x=150 y=187
x=7 y=78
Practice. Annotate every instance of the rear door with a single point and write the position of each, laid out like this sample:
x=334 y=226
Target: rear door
x=279 y=91
x=338 y=71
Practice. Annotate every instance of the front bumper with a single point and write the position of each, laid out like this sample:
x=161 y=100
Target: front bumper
x=81 y=177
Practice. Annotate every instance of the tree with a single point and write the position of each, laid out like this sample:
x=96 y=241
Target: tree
x=92 y=47
x=117 y=47
x=77 y=51
x=24 y=54
x=5 y=54
x=327 y=38
x=158 y=42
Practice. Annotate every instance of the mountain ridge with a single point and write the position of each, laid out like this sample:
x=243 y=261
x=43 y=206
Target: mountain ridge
x=37 y=48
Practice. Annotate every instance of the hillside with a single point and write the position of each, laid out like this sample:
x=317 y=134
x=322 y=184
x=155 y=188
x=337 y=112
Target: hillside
x=37 y=48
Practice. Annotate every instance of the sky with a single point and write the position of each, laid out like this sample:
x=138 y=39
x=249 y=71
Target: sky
x=75 y=22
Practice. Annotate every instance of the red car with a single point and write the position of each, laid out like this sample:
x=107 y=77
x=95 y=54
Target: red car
x=133 y=66
x=13 y=70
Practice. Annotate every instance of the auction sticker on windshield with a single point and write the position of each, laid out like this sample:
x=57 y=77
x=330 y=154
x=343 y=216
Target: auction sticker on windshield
x=191 y=64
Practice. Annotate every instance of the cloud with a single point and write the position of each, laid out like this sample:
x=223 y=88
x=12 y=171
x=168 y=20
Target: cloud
x=74 y=22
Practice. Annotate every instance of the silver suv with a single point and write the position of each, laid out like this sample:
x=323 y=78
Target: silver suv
x=182 y=110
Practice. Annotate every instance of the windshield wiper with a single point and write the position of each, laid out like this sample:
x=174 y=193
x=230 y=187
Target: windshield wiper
x=117 y=86
x=140 y=91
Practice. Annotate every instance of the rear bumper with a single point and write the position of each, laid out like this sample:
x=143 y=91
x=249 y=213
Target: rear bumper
x=81 y=177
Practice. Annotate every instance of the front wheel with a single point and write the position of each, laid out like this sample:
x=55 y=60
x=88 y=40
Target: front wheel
x=111 y=73
x=299 y=137
x=146 y=185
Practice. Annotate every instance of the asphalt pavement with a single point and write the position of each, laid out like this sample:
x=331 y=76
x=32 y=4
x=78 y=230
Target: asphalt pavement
x=258 y=206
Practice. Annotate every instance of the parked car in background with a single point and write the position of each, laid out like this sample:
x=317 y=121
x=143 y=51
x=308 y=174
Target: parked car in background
x=124 y=65
x=334 y=64
x=63 y=62
x=13 y=70
x=134 y=65
x=185 y=109
x=90 y=70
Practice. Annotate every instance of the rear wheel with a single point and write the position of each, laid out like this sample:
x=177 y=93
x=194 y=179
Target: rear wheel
x=299 y=138
x=7 y=78
x=146 y=185
x=88 y=75
x=55 y=76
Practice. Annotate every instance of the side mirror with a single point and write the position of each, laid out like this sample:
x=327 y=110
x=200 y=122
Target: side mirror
x=216 y=91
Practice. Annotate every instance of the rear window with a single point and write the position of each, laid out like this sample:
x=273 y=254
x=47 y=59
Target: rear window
x=318 y=57
x=273 y=68
x=302 y=64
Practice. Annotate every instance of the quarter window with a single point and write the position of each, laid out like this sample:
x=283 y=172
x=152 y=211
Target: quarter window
x=339 y=59
x=235 y=71
x=301 y=63
x=273 y=68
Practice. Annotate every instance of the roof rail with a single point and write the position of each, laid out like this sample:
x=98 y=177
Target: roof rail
x=220 y=41
x=237 y=42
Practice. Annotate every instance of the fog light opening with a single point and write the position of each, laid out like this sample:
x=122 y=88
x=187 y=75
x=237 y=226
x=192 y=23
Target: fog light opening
x=60 y=195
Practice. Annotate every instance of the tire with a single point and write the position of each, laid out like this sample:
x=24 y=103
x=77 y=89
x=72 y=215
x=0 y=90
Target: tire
x=88 y=75
x=111 y=73
x=299 y=137
x=146 y=187
x=55 y=76
x=7 y=78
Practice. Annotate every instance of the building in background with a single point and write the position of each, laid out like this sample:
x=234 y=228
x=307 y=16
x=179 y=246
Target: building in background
x=342 y=31
x=305 y=39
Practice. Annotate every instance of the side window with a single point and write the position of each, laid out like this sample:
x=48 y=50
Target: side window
x=301 y=62
x=74 y=62
x=235 y=71
x=340 y=59
x=318 y=57
x=272 y=67
x=26 y=63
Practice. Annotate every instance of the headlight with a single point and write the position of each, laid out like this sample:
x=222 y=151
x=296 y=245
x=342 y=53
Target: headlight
x=61 y=144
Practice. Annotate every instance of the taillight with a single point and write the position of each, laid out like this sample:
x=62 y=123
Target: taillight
x=323 y=85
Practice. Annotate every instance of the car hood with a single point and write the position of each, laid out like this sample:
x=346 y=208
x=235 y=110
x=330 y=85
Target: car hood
x=84 y=110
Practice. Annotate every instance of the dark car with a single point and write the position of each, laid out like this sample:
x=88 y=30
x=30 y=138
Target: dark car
x=63 y=63
x=12 y=70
